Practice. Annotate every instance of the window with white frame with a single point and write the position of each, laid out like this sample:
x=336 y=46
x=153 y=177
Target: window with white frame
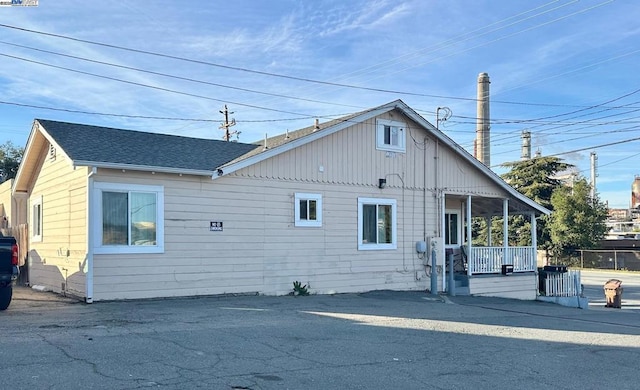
x=390 y=135
x=36 y=219
x=128 y=218
x=451 y=228
x=376 y=224
x=308 y=210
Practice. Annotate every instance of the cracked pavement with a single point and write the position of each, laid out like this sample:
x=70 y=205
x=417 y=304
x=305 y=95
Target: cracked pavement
x=378 y=340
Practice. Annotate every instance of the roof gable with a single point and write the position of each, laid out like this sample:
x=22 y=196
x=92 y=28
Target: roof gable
x=106 y=147
x=280 y=144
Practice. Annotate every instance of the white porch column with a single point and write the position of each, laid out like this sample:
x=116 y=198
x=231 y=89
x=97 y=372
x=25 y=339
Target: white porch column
x=468 y=235
x=443 y=230
x=488 y=220
x=534 y=239
x=505 y=231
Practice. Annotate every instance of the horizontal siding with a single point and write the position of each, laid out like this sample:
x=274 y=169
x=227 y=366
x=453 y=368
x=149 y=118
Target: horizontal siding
x=516 y=286
x=260 y=250
x=59 y=260
x=6 y=206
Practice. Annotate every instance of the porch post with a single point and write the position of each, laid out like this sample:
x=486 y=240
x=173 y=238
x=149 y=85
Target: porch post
x=443 y=230
x=505 y=231
x=488 y=220
x=534 y=240
x=469 y=235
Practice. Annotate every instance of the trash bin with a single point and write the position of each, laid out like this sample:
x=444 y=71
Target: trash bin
x=613 y=293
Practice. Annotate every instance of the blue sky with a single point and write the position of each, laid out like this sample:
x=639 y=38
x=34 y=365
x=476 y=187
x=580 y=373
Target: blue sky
x=565 y=70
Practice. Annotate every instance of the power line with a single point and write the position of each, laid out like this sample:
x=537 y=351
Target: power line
x=507 y=36
x=174 y=76
x=271 y=74
x=594 y=147
x=153 y=87
x=159 y=117
x=228 y=67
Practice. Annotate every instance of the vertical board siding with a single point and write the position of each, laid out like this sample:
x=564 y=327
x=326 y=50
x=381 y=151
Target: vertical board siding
x=59 y=260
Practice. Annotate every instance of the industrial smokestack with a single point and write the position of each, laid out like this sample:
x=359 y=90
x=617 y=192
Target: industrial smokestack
x=635 y=193
x=483 y=138
x=526 y=145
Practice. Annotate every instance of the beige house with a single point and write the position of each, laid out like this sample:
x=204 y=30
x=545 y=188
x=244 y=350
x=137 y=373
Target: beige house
x=352 y=205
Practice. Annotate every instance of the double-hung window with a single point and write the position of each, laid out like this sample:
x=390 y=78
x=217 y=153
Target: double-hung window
x=376 y=224
x=308 y=210
x=128 y=218
x=390 y=135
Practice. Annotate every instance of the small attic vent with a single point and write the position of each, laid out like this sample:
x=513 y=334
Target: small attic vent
x=52 y=153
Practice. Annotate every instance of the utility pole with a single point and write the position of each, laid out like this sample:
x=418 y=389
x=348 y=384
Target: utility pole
x=226 y=125
x=594 y=174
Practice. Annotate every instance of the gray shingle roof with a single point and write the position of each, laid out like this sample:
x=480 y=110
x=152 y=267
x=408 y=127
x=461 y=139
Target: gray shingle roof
x=117 y=146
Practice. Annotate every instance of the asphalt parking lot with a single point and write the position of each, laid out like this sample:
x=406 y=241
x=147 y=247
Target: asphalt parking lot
x=378 y=340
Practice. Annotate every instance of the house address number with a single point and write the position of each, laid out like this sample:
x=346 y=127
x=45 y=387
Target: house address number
x=215 y=226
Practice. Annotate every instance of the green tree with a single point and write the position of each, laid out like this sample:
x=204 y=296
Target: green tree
x=578 y=221
x=537 y=179
x=10 y=157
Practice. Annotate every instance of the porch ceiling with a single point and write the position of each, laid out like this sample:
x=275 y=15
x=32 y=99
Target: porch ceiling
x=481 y=206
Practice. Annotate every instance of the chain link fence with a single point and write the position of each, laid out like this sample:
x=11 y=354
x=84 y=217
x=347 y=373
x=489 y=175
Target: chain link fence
x=614 y=259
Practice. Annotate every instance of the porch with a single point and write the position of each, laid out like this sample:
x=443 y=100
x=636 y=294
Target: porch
x=490 y=260
x=482 y=268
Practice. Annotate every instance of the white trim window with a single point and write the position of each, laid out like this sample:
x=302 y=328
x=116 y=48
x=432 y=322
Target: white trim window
x=129 y=218
x=452 y=228
x=308 y=210
x=36 y=219
x=377 y=224
x=390 y=135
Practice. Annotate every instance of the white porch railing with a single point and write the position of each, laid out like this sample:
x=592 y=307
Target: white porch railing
x=566 y=284
x=489 y=260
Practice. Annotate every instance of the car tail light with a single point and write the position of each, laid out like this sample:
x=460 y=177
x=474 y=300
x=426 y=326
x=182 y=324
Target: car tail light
x=14 y=254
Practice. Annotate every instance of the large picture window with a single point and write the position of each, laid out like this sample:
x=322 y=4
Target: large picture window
x=308 y=210
x=129 y=218
x=376 y=224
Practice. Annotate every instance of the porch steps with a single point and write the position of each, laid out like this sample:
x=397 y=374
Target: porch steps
x=461 y=284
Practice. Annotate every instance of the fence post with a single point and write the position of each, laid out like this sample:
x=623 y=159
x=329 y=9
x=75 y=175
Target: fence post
x=581 y=259
x=615 y=259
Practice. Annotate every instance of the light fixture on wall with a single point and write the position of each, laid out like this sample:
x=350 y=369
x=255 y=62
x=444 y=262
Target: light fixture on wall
x=382 y=183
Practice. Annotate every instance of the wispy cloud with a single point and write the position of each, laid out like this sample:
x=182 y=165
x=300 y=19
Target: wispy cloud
x=375 y=14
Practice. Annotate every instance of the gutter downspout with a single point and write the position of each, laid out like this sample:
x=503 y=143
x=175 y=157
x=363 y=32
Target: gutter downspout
x=424 y=200
x=469 y=254
x=443 y=229
x=439 y=216
x=506 y=259
x=89 y=274
x=534 y=239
